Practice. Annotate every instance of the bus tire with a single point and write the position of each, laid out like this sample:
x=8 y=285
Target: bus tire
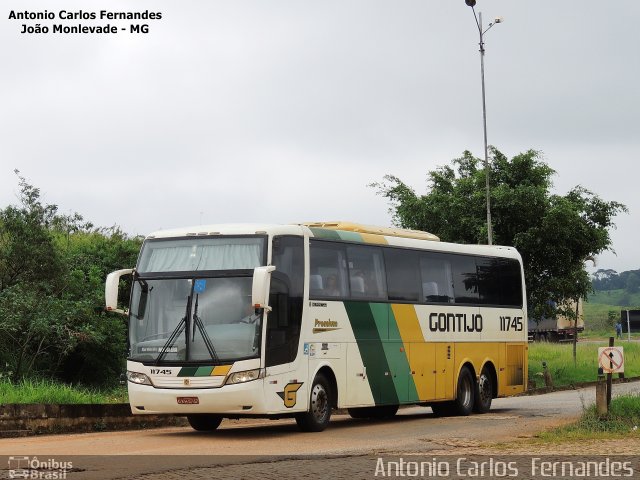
x=319 y=414
x=463 y=404
x=483 y=393
x=203 y=422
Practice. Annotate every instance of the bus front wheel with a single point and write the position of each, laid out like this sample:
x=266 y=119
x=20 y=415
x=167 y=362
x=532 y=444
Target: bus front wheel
x=317 y=417
x=204 y=422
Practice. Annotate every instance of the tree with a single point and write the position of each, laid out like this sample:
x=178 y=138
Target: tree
x=604 y=279
x=27 y=252
x=52 y=271
x=555 y=234
x=633 y=283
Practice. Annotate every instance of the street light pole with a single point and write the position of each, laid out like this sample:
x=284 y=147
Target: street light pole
x=478 y=19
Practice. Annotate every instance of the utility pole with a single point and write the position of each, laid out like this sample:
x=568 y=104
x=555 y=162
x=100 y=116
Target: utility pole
x=478 y=18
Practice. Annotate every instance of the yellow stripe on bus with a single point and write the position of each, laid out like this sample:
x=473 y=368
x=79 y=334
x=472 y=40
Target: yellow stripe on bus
x=408 y=323
x=376 y=239
x=412 y=338
x=221 y=370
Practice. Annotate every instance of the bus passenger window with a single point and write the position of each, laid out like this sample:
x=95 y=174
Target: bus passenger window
x=328 y=278
x=465 y=279
x=366 y=272
x=488 y=280
x=437 y=284
x=403 y=277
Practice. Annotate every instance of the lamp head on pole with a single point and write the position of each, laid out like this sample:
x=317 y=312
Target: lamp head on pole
x=470 y=3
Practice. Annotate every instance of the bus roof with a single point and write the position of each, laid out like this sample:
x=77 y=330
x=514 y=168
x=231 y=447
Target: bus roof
x=341 y=231
x=229 y=229
x=373 y=230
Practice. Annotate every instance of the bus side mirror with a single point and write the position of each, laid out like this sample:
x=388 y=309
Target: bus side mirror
x=111 y=290
x=260 y=287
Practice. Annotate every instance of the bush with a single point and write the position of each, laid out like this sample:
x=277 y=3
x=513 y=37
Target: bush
x=52 y=273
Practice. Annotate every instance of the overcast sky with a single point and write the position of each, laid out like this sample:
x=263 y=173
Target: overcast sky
x=285 y=110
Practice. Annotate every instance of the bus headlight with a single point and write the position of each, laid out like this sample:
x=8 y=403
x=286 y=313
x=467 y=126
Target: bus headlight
x=246 y=376
x=139 y=378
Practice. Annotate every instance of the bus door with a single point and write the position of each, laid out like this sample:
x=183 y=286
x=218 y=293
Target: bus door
x=285 y=380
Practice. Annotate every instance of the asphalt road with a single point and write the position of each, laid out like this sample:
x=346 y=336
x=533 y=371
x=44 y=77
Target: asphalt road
x=274 y=449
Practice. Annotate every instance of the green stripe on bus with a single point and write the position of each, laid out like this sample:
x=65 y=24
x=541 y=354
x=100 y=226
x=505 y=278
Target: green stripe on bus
x=187 y=371
x=325 y=233
x=366 y=327
x=350 y=236
x=203 y=371
x=336 y=234
x=402 y=361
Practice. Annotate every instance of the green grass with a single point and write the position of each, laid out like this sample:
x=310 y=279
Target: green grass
x=596 y=317
x=50 y=392
x=620 y=298
x=623 y=421
x=559 y=358
x=596 y=311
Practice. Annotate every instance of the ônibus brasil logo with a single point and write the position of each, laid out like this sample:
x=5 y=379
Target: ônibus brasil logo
x=27 y=467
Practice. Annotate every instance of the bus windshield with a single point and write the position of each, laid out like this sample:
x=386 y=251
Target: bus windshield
x=191 y=301
x=198 y=254
x=208 y=320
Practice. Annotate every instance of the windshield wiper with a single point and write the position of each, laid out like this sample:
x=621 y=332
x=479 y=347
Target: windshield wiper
x=197 y=322
x=176 y=332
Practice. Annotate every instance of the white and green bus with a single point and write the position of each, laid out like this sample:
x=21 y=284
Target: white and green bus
x=231 y=321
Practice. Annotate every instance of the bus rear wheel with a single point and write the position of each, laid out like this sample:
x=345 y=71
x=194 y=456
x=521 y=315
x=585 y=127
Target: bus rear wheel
x=204 y=422
x=483 y=393
x=465 y=393
x=317 y=417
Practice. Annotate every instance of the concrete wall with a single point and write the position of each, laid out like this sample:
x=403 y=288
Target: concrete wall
x=29 y=419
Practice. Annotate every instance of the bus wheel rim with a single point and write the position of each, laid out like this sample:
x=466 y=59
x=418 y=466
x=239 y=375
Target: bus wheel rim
x=484 y=389
x=319 y=402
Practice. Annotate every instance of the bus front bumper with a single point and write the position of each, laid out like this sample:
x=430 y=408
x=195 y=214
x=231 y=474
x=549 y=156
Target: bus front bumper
x=228 y=400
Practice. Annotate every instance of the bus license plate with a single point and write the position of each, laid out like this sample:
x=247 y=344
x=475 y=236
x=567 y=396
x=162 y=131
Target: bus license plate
x=188 y=400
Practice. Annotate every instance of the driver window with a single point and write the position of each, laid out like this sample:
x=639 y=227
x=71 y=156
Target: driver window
x=285 y=299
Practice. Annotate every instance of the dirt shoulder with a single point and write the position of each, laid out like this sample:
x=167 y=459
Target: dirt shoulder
x=617 y=446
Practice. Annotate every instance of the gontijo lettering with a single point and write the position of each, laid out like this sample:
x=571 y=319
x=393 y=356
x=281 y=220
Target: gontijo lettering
x=455 y=322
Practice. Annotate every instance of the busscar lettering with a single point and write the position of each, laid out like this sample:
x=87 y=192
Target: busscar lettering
x=455 y=322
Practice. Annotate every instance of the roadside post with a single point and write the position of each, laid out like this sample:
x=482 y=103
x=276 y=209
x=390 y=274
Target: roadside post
x=611 y=360
x=609 y=375
x=601 y=395
x=628 y=327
